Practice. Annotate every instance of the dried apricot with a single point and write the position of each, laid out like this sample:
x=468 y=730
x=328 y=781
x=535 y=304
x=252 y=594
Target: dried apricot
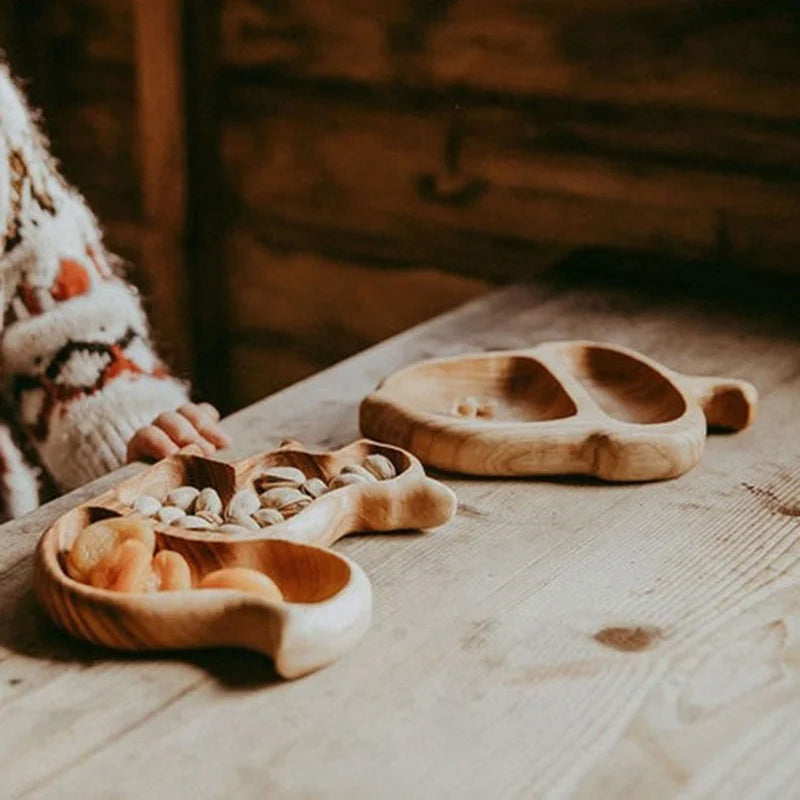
x=97 y=541
x=243 y=579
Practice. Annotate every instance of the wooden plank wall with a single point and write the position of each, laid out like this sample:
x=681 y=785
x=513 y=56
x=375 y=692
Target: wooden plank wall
x=116 y=128
x=382 y=161
x=77 y=63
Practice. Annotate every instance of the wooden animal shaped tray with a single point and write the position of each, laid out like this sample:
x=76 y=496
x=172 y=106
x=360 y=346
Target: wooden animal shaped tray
x=572 y=407
x=326 y=598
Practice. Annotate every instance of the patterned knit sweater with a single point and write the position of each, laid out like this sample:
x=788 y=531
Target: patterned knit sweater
x=79 y=370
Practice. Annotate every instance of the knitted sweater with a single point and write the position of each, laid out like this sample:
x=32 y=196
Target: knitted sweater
x=78 y=366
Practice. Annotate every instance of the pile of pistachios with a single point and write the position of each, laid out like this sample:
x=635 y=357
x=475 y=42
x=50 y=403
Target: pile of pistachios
x=278 y=494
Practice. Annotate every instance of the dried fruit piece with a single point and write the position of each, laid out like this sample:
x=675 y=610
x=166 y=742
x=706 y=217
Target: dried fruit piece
x=100 y=539
x=127 y=568
x=172 y=571
x=467 y=407
x=243 y=579
x=486 y=409
x=380 y=466
x=183 y=497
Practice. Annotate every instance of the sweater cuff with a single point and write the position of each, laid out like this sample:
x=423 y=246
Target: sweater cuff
x=85 y=378
x=90 y=437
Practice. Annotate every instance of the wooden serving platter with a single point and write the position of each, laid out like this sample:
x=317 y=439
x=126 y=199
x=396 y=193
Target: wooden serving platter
x=572 y=407
x=327 y=598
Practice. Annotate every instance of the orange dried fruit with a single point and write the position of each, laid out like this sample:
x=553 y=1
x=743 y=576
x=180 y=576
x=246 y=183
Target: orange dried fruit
x=243 y=579
x=127 y=568
x=97 y=541
x=172 y=571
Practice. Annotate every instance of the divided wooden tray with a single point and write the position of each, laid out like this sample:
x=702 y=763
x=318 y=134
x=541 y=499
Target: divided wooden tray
x=572 y=407
x=327 y=597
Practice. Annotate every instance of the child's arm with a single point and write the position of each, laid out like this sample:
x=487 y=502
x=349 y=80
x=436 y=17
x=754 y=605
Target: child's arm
x=75 y=348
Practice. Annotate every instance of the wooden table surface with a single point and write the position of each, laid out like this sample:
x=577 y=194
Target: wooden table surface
x=557 y=638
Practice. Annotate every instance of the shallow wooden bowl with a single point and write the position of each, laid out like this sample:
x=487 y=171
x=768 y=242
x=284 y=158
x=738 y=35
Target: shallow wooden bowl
x=327 y=597
x=576 y=407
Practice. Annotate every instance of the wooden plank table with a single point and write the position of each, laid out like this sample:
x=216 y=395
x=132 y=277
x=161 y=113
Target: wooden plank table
x=559 y=637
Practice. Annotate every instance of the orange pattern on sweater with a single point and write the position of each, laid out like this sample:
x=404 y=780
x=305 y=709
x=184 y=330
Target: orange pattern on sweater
x=72 y=280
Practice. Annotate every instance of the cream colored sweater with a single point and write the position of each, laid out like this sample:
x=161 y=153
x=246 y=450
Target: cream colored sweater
x=77 y=361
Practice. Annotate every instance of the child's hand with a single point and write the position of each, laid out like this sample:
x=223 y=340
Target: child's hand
x=190 y=424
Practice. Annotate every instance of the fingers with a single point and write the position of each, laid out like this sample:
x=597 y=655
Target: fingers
x=207 y=408
x=204 y=419
x=177 y=427
x=191 y=424
x=182 y=432
x=150 y=443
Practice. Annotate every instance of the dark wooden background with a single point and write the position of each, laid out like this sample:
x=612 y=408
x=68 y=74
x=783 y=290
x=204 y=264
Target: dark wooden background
x=355 y=167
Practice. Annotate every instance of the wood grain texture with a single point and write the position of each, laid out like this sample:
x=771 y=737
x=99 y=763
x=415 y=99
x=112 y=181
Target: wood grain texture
x=560 y=408
x=326 y=598
x=486 y=139
x=104 y=118
x=496 y=190
x=294 y=313
x=262 y=368
x=208 y=214
x=161 y=120
x=325 y=608
x=314 y=299
x=75 y=59
x=737 y=56
x=636 y=639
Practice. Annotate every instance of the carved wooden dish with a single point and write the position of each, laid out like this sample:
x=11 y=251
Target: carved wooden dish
x=327 y=597
x=574 y=407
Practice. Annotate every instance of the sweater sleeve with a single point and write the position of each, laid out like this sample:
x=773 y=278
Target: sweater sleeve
x=76 y=353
